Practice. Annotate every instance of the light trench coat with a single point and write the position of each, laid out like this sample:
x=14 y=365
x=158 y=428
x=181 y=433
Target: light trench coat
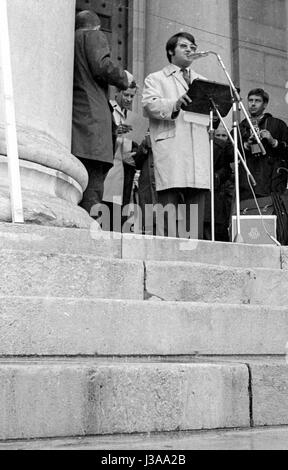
x=180 y=146
x=114 y=181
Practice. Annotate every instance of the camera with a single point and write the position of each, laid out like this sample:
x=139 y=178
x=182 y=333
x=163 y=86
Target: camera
x=255 y=149
x=254 y=146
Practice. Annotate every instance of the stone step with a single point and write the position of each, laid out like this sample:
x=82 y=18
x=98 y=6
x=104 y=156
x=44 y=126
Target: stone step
x=63 y=275
x=270 y=392
x=54 y=399
x=137 y=247
x=31 y=273
x=33 y=326
x=58 y=240
x=267 y=438
x=204 y=252
x=182 y=281
x=42 y=399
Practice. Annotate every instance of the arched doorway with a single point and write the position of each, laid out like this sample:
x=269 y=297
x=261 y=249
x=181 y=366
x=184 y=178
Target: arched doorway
x=114 y=17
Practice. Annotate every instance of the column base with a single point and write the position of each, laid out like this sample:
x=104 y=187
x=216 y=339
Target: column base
x=50 y=197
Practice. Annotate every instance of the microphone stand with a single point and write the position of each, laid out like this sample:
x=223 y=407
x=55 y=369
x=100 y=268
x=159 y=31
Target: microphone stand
x=211 y=139
x=215 y=107
x=238 y=238
x=239 y=156
x=237 y=106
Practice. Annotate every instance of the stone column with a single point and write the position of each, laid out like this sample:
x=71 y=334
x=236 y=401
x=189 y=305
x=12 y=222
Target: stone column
x=136 y=41
x=42 y=50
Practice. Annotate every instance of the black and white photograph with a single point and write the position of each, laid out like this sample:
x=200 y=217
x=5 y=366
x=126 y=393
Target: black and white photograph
x=144 y=228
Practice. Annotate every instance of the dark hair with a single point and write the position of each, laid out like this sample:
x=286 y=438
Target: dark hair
x=173 y=41
x=259 y=92
x=133 y=86
x=87 y=19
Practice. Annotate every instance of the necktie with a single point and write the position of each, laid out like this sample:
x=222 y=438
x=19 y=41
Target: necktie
x=186 y=76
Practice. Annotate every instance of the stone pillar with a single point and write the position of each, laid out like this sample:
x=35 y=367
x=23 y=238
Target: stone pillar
x=42 y=50
x=136 y=41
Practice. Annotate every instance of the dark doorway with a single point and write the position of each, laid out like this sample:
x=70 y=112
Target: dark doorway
x=114 y=17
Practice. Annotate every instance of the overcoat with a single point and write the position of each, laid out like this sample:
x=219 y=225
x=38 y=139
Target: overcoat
x=114 y=181
x=180 y=145
x=94 y=71
x=265 y=168
x=222 y=172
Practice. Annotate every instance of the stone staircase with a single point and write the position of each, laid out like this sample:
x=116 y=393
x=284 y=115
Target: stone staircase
x=107 y=334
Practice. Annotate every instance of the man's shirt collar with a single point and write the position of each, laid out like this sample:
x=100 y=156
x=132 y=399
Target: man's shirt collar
x=172 y=68
x=117 y=108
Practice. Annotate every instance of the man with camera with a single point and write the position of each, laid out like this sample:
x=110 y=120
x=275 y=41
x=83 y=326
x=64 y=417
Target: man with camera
x=273 y=133
x=268 y=170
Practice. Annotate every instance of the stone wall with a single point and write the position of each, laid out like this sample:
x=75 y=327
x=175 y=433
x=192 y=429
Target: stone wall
x=249 y=35
x=262 y=28
x=208 y=21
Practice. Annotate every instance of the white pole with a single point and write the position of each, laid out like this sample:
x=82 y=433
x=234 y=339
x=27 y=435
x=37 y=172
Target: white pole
x=211 y=136
x=10 y=123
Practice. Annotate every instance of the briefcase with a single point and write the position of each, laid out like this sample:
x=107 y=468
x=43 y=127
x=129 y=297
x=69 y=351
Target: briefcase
x=252 y=228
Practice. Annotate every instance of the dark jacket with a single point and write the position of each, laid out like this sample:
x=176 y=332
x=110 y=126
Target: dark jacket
x=147 y=195
x=129 y=174
x=94 y=71
x=222 y=172
x=264 y=168
x=146 y=185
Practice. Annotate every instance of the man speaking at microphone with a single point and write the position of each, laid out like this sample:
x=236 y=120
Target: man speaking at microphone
x=180 y=141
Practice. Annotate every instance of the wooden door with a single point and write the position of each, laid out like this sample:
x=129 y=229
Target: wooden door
x=114 y=19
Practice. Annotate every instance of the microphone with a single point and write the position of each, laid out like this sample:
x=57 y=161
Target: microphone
x=200 y=54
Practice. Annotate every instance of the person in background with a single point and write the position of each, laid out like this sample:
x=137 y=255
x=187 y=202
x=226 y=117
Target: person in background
x=273 y=133
x=222 y=185
x=271 y=181
x=146 y=188
x=119 y=181
x=221 y=133
x=94 y=71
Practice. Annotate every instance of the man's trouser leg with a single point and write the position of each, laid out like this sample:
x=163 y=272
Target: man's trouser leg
x=97 y=172
x=195 y=197
x=166 y=224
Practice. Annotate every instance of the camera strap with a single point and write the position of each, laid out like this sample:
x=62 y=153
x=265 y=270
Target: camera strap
x=265 y=123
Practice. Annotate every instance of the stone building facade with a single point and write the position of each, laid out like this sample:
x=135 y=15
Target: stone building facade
x=249 y=35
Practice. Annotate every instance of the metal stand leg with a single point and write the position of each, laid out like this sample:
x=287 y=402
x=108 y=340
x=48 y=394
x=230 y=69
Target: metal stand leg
x=211 y=135
x=237 y=156
x=237 y=106
x=238 y=238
